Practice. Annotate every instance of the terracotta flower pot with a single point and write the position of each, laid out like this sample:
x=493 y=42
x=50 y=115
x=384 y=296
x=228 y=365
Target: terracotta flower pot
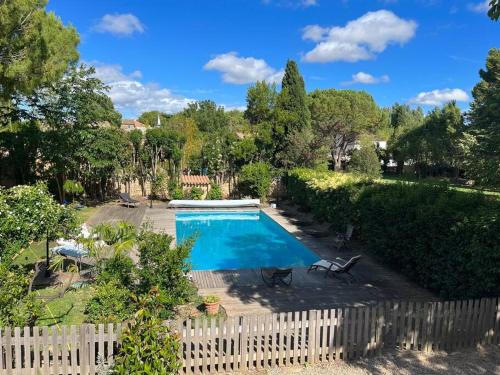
x=212 y=308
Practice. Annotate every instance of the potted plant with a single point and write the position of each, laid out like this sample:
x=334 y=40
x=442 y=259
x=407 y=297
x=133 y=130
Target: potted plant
x=211 y=304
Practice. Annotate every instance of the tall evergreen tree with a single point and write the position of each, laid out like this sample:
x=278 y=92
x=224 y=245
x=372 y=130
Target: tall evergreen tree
x=485 y=120
x=293 y=97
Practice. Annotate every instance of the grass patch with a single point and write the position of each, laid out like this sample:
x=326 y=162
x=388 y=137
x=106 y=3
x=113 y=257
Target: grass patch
x=442 y=180
x=66 y=310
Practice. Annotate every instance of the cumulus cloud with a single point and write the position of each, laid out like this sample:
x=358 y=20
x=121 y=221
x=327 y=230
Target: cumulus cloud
x=119 y=24
x=481 y=7
x=131 y=95
x=360 y=39
x=439 y=97
x=241 y=70
x=367 y=79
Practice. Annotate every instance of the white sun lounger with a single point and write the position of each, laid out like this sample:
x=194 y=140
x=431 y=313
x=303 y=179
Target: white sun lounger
x=227 y=203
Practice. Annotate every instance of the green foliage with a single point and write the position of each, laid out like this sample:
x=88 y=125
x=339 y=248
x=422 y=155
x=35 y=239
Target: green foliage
x=164 y=267
x=215 y=192
x=151 y=118
x=211 y=299
x=29 y=213
x=255 y=180
x=261 y=99
x=111 y=303
x=494 y=11
x=195 y=193
x=293 y=97
x=17 y=307
x=177 y=193
x=208 y=116
x=365 y=159
x=119 y=268
x=339 y=117
x=147 y=345
x=485 y=120
x=446 y=240
x=433 y=145
x=73 y=187
x=36 y=47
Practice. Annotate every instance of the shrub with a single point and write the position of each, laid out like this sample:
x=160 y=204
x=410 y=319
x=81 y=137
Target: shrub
x=444 y=239
x=177 y=193
x=17 y=307
x=165 y=267
x=365 y=160
x=119 y=268
x=195 y=193
x=215 y=192
x=147 y=345
x=255 y=180
x=111 y=303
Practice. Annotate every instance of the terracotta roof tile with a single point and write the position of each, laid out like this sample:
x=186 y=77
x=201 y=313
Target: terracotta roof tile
x=195 y=180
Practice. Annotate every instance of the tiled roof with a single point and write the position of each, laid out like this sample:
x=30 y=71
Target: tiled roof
x=134 y=123
x=195 y=180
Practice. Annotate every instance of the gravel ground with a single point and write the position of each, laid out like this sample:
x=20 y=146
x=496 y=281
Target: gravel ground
x=480 y=361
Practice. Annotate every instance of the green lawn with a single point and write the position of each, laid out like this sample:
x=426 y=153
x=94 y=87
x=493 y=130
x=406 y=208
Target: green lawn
x=66 y=310
x=435 y=180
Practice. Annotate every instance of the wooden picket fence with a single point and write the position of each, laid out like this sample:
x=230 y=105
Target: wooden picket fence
x=256 y=342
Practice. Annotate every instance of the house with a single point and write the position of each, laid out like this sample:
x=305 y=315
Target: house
x=129 y=125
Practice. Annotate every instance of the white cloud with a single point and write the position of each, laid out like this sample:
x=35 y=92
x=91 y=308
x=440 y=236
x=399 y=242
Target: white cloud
x=119 y=24
x=292 y=3
x=360 y=39
x=130 y=95
x=241 y=70
x=481 y=7
x=439 y=97
x=367 y=79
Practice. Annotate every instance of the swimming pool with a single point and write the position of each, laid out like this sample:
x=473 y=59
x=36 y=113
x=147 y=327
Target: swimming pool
x=237 y=240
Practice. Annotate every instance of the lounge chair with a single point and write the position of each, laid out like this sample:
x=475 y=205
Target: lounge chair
x=128 y=201
x=336 y=267
x=274 y=276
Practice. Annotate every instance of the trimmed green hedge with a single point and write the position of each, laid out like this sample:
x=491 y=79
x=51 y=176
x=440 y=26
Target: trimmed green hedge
x=445 y=240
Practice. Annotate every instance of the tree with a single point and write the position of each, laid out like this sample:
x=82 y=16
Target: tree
x=291 y=113
x=293 y=97
x=364 y=159
x=494 y=11
x=484 y=117
x=340 y=116
x=77 y=100
x=261 y=99
x=255 y=180
x=151 y=118
x=403 y=119
x=35 y=49
x=207 y=115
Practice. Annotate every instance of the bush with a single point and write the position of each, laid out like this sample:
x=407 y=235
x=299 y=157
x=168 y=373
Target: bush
x=195 y=193
x=365 y=160
x=17 y=307
x=177 y=193
x=147 y=345
x=255 y=180
x=215 y=192
x=119 y=268
x=111 y=303
x=445 y=240
x=165 y=267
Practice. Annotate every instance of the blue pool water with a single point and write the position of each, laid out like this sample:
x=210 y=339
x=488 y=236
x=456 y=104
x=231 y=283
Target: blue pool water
x=236 y=240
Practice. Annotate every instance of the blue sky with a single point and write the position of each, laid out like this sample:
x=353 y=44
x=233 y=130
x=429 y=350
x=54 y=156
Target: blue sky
x=159 y=54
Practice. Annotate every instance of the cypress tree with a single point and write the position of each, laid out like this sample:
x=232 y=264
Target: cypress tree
x=293 y=97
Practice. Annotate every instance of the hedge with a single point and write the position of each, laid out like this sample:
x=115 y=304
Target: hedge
x=446 y=240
